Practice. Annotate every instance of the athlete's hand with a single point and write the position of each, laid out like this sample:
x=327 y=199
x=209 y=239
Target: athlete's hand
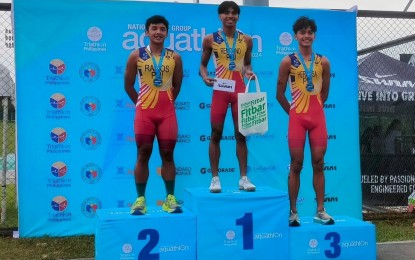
x=249 y=74
x=209 y=81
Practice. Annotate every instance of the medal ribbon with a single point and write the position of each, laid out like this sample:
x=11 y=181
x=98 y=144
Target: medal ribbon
x=230 y=51
x=157 y=66
x=308 y=71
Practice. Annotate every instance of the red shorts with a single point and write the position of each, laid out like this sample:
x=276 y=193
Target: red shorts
x=222 y=99
x=313 y=121
x=159 y=121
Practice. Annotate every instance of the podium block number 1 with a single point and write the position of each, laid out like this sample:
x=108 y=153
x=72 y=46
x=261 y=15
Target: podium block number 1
x=154 y=237
x=247 y=230
x=335 y=240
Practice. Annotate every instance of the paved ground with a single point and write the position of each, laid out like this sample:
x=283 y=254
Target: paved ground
x=404 y=250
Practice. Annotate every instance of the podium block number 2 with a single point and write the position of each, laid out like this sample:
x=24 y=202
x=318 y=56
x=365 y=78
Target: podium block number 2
x=247 y=230
x=334 y=244
x=154 y=237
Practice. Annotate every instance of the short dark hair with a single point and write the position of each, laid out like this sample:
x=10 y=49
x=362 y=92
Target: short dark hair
x=225 y=5
x=155 y=19
x=303 y=23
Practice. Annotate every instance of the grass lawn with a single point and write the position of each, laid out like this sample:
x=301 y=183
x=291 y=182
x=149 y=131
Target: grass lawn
x=394 y=229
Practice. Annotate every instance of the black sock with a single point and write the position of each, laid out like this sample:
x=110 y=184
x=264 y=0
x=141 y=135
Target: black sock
x=141 y=189
x=169 y=187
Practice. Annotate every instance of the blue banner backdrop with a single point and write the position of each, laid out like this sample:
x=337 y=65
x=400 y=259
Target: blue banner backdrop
x=76 y=149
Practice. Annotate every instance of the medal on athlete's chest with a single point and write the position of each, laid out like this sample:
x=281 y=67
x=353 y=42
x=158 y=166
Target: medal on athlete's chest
x=158 y=80
x=231 y=51
x=309 y=87
x=308 y=71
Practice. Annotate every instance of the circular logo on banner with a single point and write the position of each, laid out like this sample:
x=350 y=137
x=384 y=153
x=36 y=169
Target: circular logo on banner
x=127 y=248
x=91 y=139
x=90 y=207
x=230 y=234
x=89 y=72
x=313 y=243
x=91 y=173
x=59 y=169
x=57 y=101
x=94 y=34
x=90 y=106
x=57 y=66
x=285 y=38
x=59 y=203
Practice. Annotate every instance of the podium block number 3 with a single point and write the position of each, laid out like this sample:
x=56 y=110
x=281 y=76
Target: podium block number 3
x=335 y=240
x=247 y=230
x=154 y=237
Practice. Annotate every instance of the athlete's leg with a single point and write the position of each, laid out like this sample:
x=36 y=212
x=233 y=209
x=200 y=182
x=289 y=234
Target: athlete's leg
x=168 y=167
x=318 y=147
x=241 y=147
x=167 y=132
x=214 y=147
x=168 y=172
x=144 y=130
x=317 y=158
x=296 y=141
x=217 y=118
x=144 y=147
x=296 y=165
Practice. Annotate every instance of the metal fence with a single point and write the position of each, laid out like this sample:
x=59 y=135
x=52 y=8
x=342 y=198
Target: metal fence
x=386 y=48
x=8 y=204
x=390 y=33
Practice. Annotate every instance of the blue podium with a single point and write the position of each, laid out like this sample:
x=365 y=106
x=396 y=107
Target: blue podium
x=156 y=235
x=348 y=238
x=235 y=224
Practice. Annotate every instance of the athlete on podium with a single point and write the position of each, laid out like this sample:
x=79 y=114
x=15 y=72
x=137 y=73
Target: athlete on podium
x=160 y=73
x=309 y=76
x=231 y=51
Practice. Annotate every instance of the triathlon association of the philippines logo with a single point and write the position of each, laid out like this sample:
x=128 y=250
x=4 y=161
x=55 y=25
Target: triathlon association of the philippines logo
x=90 y=106
x=90 y=206
x=59 y=205
x=94 y=44
x=58 y=102
x=89 y=72
x=59 y=171
x=57 y=68
x=91 y=173
x=90 y=139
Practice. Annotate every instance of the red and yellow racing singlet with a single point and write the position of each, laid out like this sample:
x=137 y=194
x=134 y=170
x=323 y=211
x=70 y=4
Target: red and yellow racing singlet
x=221 y=57
x=149 y=93
x=304 y=101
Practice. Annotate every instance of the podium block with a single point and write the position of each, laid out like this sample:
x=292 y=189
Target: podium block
x=348 y=238
x=156 y=235
x=235 y=224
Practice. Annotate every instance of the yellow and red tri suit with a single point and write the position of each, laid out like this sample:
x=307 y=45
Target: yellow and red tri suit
x=306 y=111
x=155 y=113
x=221 y=99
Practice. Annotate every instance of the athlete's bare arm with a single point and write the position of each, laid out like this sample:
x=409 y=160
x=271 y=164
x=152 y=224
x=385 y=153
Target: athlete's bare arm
x=177 y=75
x=283 y=74
x=247 y=59
x=326 y=79
x=130 y=76
x=206 y=53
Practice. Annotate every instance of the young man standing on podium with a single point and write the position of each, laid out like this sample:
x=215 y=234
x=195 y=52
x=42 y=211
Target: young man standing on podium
x=309 y=76
x=160 y=73
x=231 y=51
